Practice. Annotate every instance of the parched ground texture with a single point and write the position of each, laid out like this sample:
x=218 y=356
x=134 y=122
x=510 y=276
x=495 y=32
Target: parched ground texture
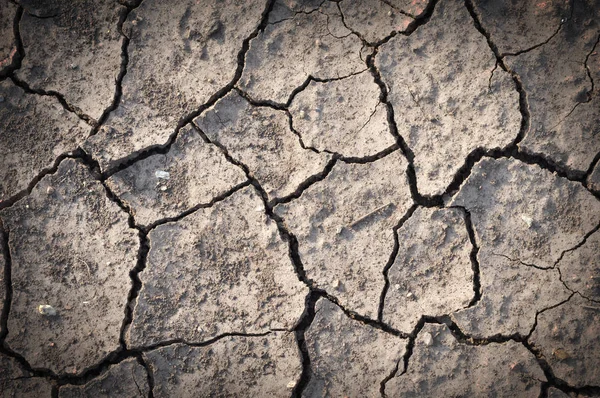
x=306 y=198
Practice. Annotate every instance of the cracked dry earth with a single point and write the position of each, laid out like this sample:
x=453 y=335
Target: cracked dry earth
x=307 y=198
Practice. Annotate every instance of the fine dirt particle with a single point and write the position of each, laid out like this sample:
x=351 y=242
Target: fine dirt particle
x=593 y=180
x=343 y=116
x=568 y=338
x=565 y=112
x=75 y=51
x=260 y=138
x=181 y=53
x=60 y=245
x=35 y=131
x=219 y=270
x=432 y=266
x=462 y=370
x=236 y=366
x=498 y=193
x=445 y=104
x=15 y=382
x=283 y=56
x=344 y=225
x=197 y=172
x=8 y=45
x=580 y=268
x=348 y=358
x=519 y=25
x=374 y=20
x=128 y=379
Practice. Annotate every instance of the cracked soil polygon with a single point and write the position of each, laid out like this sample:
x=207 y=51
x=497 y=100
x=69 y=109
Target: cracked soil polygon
x=564 y=108
x=580 y=268
x=431 y=274
x=445 y=104
x=568 y=339
x=343 y=116
x=439 y=362
x=15 y=382
x=128 y=379
x=197 y=173
x=222 y=269
x=72 y=50
x=235 y=366
x=345 y=227
x=261 y=139
x=288 y=51
x=72 y=249
x=35 y=131
x=348 y=358
x=181 y=54
x=524 y=218
x=8 y=44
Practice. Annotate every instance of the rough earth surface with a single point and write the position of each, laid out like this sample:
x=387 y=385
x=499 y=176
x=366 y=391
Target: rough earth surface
x=304 y=198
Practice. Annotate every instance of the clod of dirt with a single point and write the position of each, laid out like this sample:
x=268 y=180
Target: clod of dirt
x=445 y=102
x=15 y=382
x=8 y=44
x=35 y=131
x=61 y=246
x=463 y=370
x=348 y=358
x=374 y=20
x=431 y=274
x=127 y=379
x=580 y=268
x=73 y=50
x=516 y=26
x=343 y=116
x=197 y=172
x=573 y=328
x=511 y=253
x=344 y=226
x=286 y=53
x=236 y=366
x=593 y=180
x=222 y=269
x=565 y=111
x=260 y=138
x=181 y=54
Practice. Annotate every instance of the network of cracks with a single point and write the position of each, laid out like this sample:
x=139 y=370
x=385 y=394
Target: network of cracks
x=307 y=198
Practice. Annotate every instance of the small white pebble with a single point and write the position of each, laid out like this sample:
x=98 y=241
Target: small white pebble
x=397 y=286
x=427 y=339
x=163 y=188
x=302 y=114
x=409 y=295
x=46 y=310
x=291 y=384
x=527 y=220
x=389 y=13
x=49 y=190
x=318 y=43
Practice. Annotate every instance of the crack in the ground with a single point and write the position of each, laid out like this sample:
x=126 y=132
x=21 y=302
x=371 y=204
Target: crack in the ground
x=526 y=50
x=7 y=280
x=122 y=70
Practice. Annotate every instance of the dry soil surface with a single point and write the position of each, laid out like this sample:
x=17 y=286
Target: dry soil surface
x=305 y=198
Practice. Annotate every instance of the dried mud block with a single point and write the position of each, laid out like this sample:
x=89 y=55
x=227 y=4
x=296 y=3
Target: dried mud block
x=580 y=268
x=181 y=53
x=440 y=363
x=343 y=116
x=344 y=226
x=72 y=250
x=15 y=382
x=288 y=51
x=374 y=20
x=35 y=131
x=564 y=108
x=260 y=138
x=191 y=173
x=567 y=336
x=593 y=180
x=432 y=273
x=128 y=379
x=223 y=269
x=234 y=366
x=524 y=218
x=516 y=26
x=446 y=104
x=348 y=358
x=73 y=49
x=8 y=44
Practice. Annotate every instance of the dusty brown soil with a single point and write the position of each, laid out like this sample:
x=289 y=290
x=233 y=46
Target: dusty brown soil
x=306 y=198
